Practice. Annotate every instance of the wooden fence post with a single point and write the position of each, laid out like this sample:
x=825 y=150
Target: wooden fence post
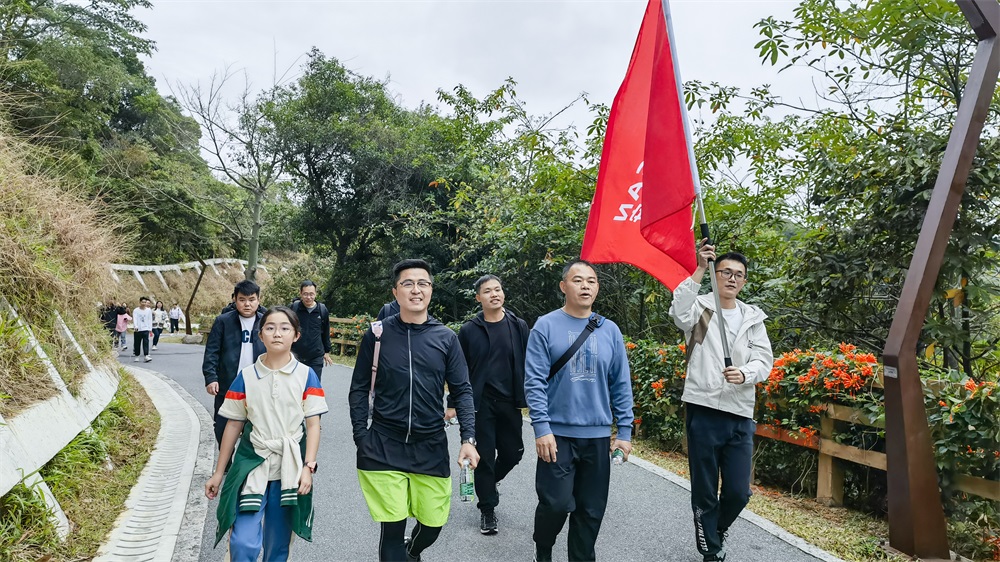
x=830 y=479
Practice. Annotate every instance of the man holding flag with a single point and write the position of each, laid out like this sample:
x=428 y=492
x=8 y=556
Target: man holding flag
x=641 y=215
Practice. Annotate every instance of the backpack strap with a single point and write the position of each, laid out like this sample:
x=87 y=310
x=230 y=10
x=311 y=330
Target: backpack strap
x=592 y=324
x=377 y=332
x=698 y=333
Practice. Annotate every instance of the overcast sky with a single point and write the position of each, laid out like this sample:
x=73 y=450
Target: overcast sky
x=554 y=49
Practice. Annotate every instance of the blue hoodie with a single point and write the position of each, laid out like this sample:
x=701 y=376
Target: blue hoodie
x=595 y=384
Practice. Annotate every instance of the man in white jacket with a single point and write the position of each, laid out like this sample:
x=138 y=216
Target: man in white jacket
x=719 y=400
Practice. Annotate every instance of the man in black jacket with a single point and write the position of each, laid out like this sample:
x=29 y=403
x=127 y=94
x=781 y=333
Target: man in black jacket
x=494 y=343
x=403 y=463
x=313 y=345
x=233 y=343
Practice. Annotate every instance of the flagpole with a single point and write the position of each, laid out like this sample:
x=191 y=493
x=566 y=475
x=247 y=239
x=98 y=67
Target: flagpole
x=697 y=180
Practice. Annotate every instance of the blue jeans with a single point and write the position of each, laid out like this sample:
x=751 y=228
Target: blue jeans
x=268 y=528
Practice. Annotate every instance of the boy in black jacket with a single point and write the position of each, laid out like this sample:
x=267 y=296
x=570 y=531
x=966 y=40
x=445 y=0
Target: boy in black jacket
x=494 y=343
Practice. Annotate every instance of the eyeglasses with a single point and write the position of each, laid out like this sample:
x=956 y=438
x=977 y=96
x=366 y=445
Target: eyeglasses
x=271 y=328
x=422 y=284
x=730 y=274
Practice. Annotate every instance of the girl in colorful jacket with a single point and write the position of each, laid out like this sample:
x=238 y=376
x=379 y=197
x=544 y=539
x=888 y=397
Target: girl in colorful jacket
x=270 y=479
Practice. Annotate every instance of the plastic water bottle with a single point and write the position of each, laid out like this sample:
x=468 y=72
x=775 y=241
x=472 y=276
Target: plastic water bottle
x=466 y=482
x=617 y=457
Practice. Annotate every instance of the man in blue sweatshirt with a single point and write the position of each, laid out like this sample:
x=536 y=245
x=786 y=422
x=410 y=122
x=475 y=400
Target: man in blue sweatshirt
x=572 y=412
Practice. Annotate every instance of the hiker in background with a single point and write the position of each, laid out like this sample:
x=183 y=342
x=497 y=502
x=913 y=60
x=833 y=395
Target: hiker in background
x=121 y=325
x=109 y=317
x=175 y=315
x=313 y=347
x=159 y=322
x=232 y=344
x=142 y=318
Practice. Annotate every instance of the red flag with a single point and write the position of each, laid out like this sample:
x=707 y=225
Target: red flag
x=645 y=179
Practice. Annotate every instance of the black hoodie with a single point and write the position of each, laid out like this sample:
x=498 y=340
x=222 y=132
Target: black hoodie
x=415 y=362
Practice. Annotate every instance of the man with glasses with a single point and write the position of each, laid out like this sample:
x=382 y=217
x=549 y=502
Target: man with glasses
x=313 y=346
x=403 y=465
x=719 y=400
x=574 y=397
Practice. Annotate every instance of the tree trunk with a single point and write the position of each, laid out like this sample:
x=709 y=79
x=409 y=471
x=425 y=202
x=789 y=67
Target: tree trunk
x=187 y=310
x=254 y=245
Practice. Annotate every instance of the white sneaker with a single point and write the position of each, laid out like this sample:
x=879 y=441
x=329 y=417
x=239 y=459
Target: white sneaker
x=148 y=359
x=154 y=348
x=135 y=358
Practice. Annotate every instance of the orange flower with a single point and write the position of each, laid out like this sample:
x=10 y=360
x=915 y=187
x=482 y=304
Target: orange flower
x=866 y=358
x=657 y=385
x=817 y=409
x=630 y=346
x=638 y=421
x=682 y=347
x=942 y=403
x=846 y=348
x=970 y=385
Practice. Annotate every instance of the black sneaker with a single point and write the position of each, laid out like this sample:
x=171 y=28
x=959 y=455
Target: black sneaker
x=406 y=547
x=543 y=554
x=717 y=557
x=488 y=522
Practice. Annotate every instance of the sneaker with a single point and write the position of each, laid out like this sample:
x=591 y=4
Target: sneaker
x=135 y=358
x=488 y=522
x=542 y=554
x=154 y=348
x=723 y=535
x=148 y=359
x=717 y=557
x=406 y=547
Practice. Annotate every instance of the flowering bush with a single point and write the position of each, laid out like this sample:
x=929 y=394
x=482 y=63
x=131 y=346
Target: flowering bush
x=658 y=373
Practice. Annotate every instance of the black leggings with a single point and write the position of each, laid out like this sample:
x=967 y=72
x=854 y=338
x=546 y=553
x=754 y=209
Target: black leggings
x=390 y=544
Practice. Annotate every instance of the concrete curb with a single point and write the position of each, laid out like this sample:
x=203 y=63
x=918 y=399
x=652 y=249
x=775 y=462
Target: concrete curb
x=158 y=518
x=747 y=515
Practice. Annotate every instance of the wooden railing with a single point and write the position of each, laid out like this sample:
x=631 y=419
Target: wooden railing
x=830 y=478
x=341 y=339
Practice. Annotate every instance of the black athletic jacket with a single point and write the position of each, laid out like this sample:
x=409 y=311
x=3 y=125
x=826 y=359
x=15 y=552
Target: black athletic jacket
x=416 y=360
x=315 y=329
x=475 y=342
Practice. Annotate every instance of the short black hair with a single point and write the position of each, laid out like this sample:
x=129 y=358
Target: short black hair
x=488 y=277
x=410 y=264
x=246 y=287
x=144 y=298
x=307 y=283
x=578 y=261
x=734 y=256
x=292 y=317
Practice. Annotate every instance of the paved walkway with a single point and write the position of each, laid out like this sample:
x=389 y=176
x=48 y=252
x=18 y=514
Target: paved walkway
x=648 y=517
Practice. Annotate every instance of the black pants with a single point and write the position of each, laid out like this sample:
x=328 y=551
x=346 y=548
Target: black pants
x=316 y=364
x=140 y=338
x=719 y=444
x=220 y=422
x=576 y=484
x=500 y=447
x=174 y=323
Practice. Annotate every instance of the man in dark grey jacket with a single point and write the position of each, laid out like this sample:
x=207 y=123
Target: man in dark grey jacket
x=313 y=345
x=494 y=343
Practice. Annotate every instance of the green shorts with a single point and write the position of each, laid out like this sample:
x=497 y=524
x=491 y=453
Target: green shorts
x=393 y=496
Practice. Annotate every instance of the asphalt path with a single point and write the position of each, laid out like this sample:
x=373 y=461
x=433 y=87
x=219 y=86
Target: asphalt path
x=648 y=517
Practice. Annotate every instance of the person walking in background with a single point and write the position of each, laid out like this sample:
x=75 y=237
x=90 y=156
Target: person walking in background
x=577 y=383
x=313 y=348
x=719 y=400
x=121 y=325
x=142 y=318
x=403 y=465
x=175 y=315
x=267 y=493
x=159 y=322
x=109 y=317
x=232 y=344
x=494 y=343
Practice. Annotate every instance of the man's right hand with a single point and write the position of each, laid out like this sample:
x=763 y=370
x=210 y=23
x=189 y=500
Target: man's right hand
x=212 y=388
x=546 y=447
x=450 y=413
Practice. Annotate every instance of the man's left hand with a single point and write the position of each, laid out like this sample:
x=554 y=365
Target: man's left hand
x=625 y=446
x=734 y=375
x=327 y=359
x=468 y=452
